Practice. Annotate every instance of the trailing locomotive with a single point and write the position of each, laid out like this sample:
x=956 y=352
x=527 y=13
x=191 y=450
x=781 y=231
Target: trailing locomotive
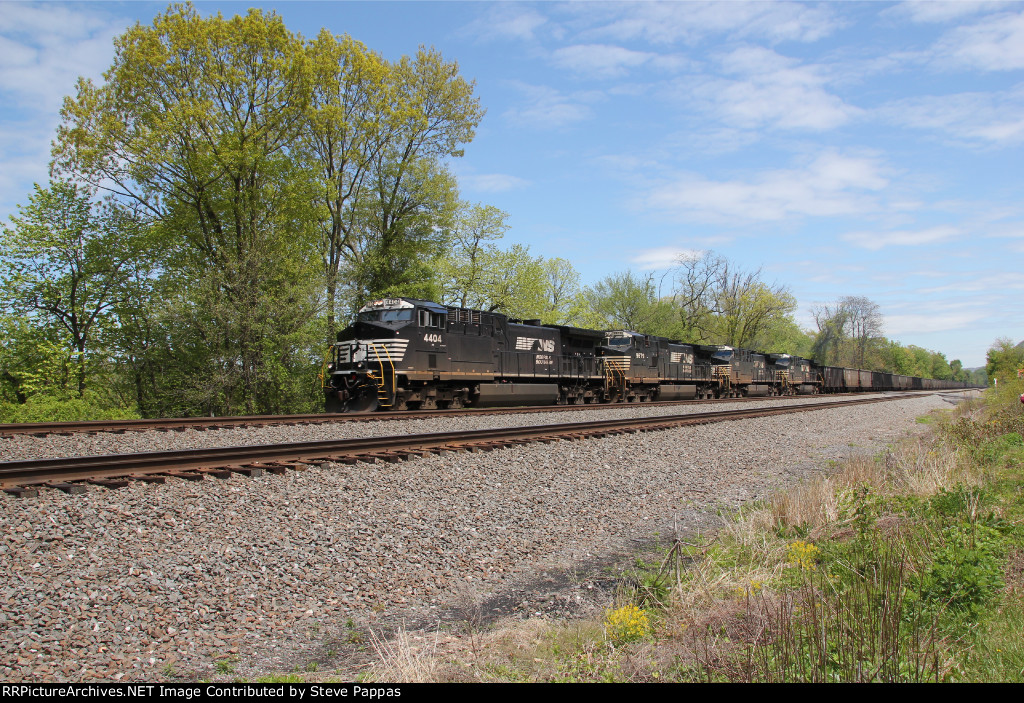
x=403 y=353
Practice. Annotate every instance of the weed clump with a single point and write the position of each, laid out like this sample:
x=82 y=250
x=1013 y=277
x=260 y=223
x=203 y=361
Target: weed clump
x=627 y=624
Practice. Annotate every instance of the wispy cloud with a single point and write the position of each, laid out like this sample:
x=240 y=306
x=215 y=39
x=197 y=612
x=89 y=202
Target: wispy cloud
x=995 y=43
x=831 y=184
x=662 y=257
x=691 y=22
x=760 y=88
x=492 y=182
x=936 y=11
x=507 y=21
x=906 y=238
x=544 y=107
x=45 y=48
x=995 y=117
x=600 y=60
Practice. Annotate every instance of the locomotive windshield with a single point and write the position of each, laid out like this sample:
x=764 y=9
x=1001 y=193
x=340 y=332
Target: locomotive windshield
x=403 y=315
x=619 y=339
x=722 y=355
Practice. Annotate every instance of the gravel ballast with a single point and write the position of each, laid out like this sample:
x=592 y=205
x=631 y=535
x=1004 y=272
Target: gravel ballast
x=82 y=444
x=152 y=581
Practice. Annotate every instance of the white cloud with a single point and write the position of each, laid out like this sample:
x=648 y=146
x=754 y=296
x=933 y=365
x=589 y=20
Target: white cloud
x=492 y=182
x=600 y=60
x=690 y=22
x=879 y=240
x=662 y=257
x=995 y=117
x=45 y=48
x=506 y=21
x=548 y=108
x=769 y=90
x=934 y=11
x=25 y=154
x=831 y=184
x=996 y=43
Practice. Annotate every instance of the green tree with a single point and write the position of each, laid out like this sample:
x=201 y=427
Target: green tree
x=831 y=339
x=63 y=265
x=379 y=134
x=1003 y=359
x=957 y=367
x=864 y=319
x=922 y=361
x=564 y=303
x=850 y=333
x=783 y=335
x=350 y=98
x=466 y=269
x=697 y=282
x=514 y=283
x=628 y=301
x=196 y=122
x=900 y=360
x=940 y=368
x=748 y=307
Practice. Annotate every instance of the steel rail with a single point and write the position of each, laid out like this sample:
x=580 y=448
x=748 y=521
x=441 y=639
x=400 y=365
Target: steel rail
x=201 y=423
x=390 y=448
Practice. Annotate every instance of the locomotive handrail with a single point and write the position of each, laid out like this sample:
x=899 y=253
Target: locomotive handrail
x=394 y=382
x=323 y=367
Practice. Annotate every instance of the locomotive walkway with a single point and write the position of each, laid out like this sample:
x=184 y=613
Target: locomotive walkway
x=22 y=478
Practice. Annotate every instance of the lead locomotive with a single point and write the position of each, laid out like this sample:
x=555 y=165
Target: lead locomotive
x=403 y=353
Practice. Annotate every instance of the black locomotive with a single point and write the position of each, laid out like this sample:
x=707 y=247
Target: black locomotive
x=403 y=353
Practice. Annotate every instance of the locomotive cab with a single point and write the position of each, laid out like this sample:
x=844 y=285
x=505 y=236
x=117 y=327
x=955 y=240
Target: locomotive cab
x=368 y=360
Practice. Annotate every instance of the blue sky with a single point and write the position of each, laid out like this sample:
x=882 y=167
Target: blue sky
x=870 y=149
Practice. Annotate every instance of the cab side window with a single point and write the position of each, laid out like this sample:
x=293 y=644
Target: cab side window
x=431 y=319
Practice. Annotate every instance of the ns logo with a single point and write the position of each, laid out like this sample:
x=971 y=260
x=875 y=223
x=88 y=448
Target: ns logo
x=534 y=344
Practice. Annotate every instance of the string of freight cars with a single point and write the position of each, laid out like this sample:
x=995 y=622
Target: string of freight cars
x=404 y=353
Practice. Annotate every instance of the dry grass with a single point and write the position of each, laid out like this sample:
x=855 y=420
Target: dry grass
x=404 y=658
x=920 y=471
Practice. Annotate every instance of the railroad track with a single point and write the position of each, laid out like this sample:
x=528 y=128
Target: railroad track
x=22 y=478
x=180 y=424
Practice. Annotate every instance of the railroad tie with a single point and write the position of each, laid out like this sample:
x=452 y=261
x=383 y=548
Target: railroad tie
x=250 y=471
x=71 y=488
x=22 y=491
x=186 y=475
x=108 y=482
x=221 y=473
